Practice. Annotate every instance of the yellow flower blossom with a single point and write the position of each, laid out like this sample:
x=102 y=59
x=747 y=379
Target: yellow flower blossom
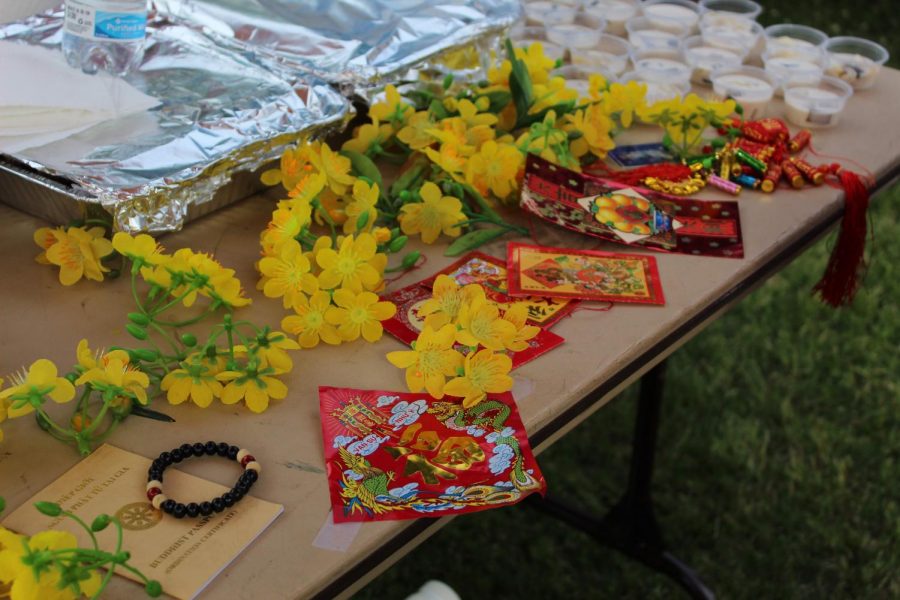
x=142 y=249
x=369 y=138
x=471 y=116
x=449 y=159
x=284 y=226
x=627 y=100
x=357 y=314
x=304 y=192
x=295 y=164
x=45 y=237
x=517 y=314
x=447 y=298
x=415 y=133
x=392 y=109
x=435 y=214
x=465 y=139
x=115 y=377
x=382 y=235
x=309 y=324
x=252 y=387
x=29 y=389
x=272 y=346
x=77 y=252
x=597 y=84
x=195 y=380
x=365 y=197
x=431 y=360
x=287 y=275
x=550 y=94
x=479 y=323
x=485 y=373
x=351 y=267
x=26 y=582
x=495 y=168
x=335 y=167
x=594 y=126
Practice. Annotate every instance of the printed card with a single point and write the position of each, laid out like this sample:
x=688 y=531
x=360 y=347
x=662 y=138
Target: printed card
x=184 y=555
x=637 y=155
x=585 y=274
x=394 y=455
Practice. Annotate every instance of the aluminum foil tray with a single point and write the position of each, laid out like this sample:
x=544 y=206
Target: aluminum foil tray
x=221 y=115
x=356 y=44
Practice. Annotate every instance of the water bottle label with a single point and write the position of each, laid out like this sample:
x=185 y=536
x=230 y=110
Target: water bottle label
x=86 y=21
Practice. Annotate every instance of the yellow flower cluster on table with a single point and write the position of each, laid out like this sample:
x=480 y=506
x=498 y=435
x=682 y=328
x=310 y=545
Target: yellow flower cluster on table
x=462 y=319
x=77 y=251
x=685 y=120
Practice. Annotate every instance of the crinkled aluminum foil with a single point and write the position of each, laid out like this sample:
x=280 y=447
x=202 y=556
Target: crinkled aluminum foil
x=221 y=114
x=356 y=44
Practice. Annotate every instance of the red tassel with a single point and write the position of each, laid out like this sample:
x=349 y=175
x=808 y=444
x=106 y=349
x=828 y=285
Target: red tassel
x=635 y=177
x=847 y=263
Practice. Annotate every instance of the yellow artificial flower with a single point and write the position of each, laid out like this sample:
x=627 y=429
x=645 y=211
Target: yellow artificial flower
x=287 y=275
x=517 y=314
x=332 y=206
x=464 y=138
x=226 y=289
x=392 y=109
x=627 y=99
x=271 y=346
x=45 y=237
x=335 y=167
x=118 y=378
x=485 y=373
x=352 y=266
x=415 y=133
x=597 y=84
x=447 y=298
x=359 y=313
x=662 y=112
x=536 y=62
x=471 y=116
x=304 y=192
x=365 y=197
x=196 y=379
x=295 y=164
x=142 y=249
x=29 y=389
x=495 y=168
x=550 y=94
x=435 y=214
x=88 y=359
x=594 y=126
x=284 y=226
x=479 y=323
x=27 y=581
x=309 y=324
x=382 y=235
x=251 y=387
x=449 y=159
x=431 y=360
x=369 y=138
x=78 y=252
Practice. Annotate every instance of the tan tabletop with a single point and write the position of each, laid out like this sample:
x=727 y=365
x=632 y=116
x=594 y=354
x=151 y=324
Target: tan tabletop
x=603 y=353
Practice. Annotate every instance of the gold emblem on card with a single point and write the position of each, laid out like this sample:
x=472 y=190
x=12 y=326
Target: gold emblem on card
x=138 y=516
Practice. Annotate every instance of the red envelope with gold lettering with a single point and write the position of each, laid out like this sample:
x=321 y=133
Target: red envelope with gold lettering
x=397 y=455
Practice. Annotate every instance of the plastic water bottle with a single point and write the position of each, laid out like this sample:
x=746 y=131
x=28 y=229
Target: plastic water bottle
x=105 y=35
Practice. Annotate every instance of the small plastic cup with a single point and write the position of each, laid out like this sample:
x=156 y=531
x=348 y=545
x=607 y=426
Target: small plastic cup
x=793 y=40
x=658 y=91
x=610 y=54
x=751 y=87
x=795 y=70
x=664 y=14
x=573 y=36
x=614 y=12
x=591 y=21
x=661 y=67
x=549 y=13
x=644 y=35
x=705 y=58
x=527 y=32
x=727 y=10
x=739 y=35
x=855 y=60
x=817 y=105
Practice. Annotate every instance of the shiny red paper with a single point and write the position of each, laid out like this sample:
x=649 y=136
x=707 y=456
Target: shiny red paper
x=395 y=455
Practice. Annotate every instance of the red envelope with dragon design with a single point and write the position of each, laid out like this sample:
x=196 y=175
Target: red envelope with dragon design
x=395 y=455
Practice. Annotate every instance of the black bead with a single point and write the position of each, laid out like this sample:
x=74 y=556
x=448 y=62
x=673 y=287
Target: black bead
x=211 y=448
x=165 y=458
x=206 y=509
x=168 y=505
x=218 y=505
x=199 y=449
x=156 y=474
x=193 y=509
x=187 y=450
x=222 y=449
x=250 y=475
x=238 y=493
x=232 y=452
x=179 y=510
x=158 y=465
x=177 y=455
x=228 y=499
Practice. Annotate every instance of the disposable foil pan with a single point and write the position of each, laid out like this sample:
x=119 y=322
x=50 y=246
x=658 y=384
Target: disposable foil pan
x=221 y=116
x=356 y=44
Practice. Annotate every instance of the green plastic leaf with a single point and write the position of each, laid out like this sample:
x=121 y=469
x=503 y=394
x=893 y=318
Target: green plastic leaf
x=473 y=240
x=100 y=523
x=498 y=99
x=51 y=509
x=361 y=220
x=136 y=331
x=363 y=166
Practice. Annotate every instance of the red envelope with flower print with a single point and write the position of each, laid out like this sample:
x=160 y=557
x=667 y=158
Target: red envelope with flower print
x=585 y=274
x=395 y=455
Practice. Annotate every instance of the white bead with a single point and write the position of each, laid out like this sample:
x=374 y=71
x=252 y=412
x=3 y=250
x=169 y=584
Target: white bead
x=154 y=484
x=158 y=500
x=242 y=453
x=253 y=465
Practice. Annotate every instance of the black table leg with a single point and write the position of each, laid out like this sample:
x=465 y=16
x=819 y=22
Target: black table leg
x=630 y=526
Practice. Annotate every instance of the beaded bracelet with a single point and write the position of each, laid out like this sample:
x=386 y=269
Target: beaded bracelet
x=178 y=510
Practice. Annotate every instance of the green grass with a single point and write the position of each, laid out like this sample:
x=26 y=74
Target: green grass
x=778 y=473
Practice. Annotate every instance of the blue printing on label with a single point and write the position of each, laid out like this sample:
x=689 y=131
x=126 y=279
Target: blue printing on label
x=119 y=26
